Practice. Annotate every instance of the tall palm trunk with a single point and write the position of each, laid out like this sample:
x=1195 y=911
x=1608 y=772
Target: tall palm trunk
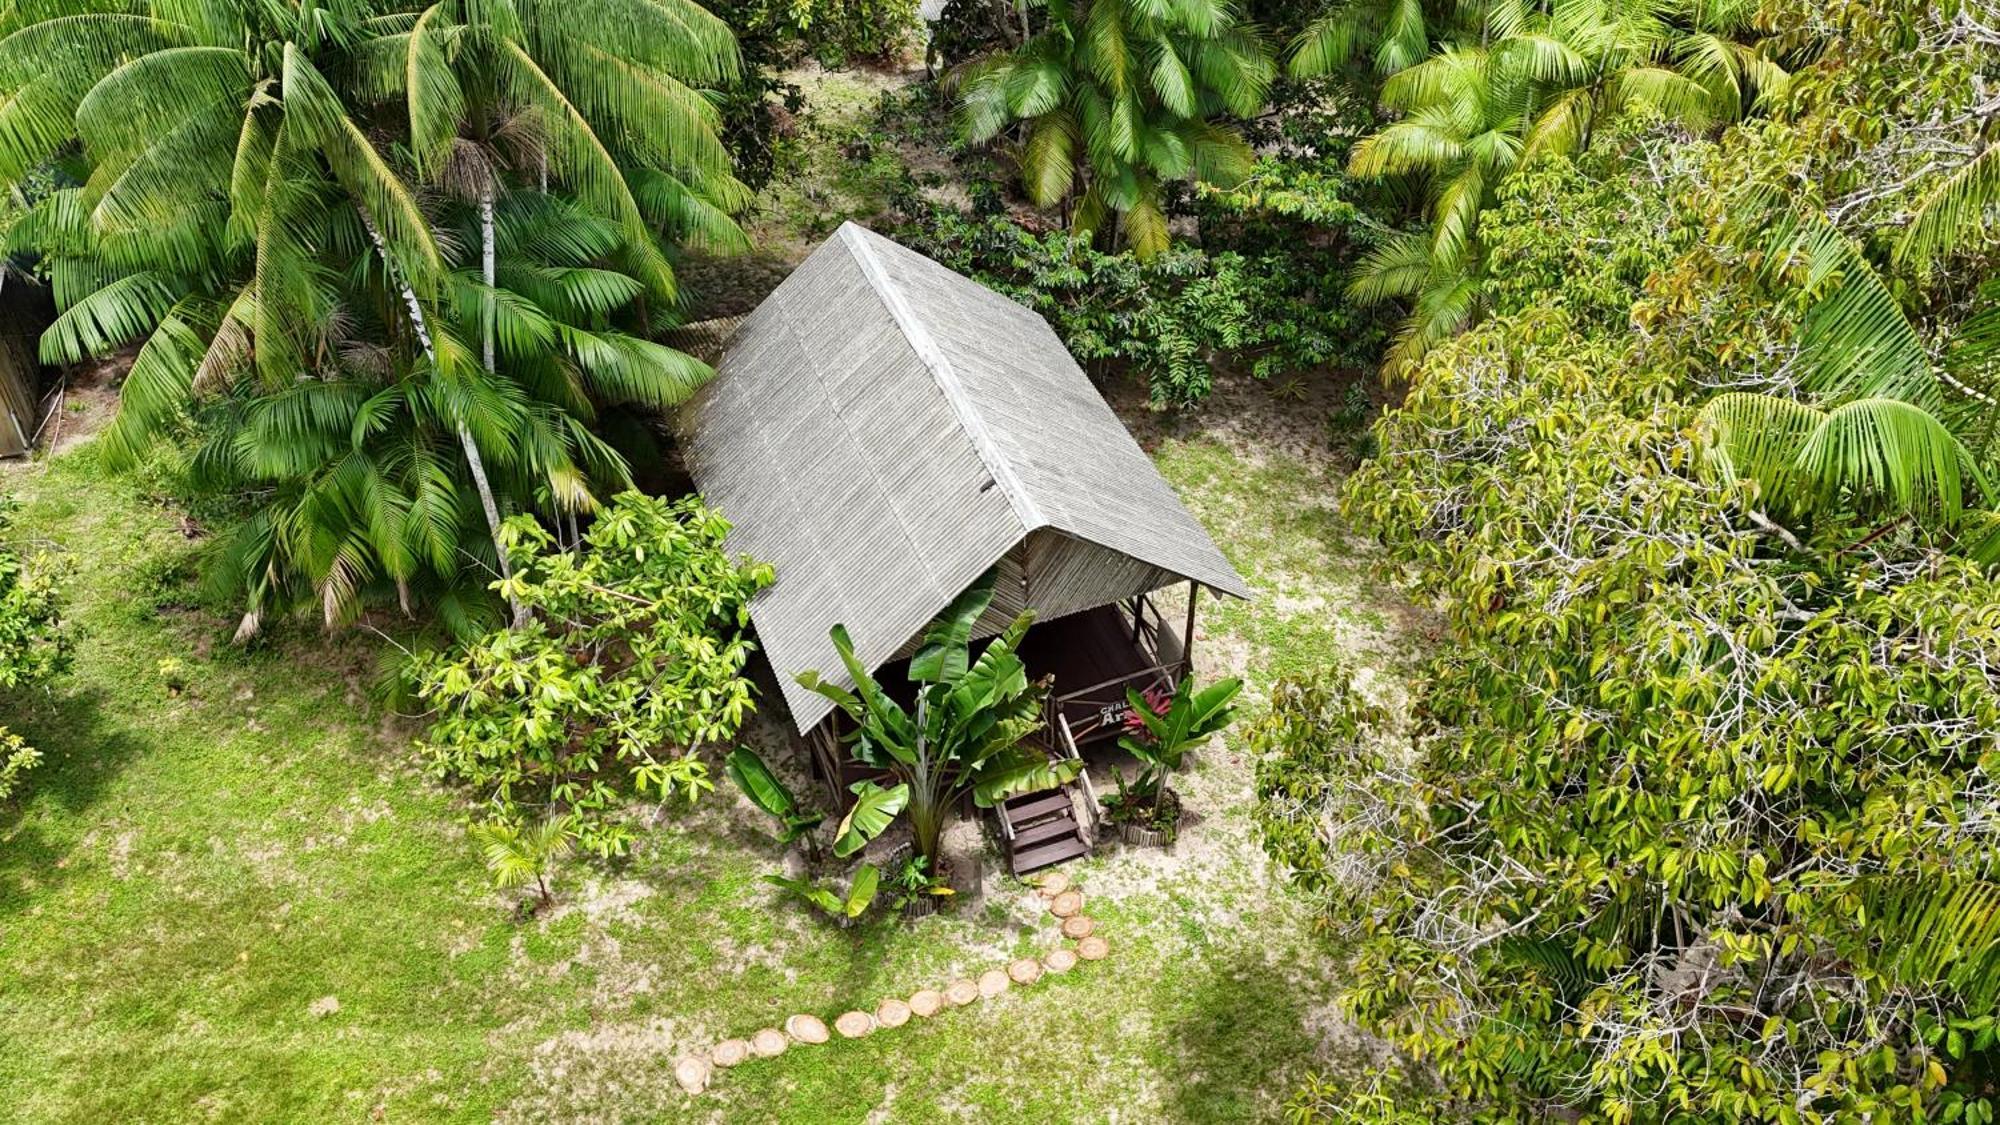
x=488 y=271
x=473 y=460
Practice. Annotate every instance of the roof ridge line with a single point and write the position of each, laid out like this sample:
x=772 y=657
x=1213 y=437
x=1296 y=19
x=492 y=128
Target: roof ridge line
x=934 y=361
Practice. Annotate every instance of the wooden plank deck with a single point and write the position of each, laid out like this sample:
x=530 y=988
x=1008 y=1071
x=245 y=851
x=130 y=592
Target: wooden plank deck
x=1093 y=655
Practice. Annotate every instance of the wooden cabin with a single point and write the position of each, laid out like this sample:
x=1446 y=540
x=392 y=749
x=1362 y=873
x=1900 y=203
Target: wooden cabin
x=883 y=431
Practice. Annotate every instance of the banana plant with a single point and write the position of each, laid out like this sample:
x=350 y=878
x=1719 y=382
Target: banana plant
x=841 y=908
x=966 y=735
x=796 y=821
x=1165 y=736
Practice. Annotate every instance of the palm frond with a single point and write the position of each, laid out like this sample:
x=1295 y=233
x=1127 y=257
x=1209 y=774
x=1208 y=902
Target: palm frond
x=1960 y=207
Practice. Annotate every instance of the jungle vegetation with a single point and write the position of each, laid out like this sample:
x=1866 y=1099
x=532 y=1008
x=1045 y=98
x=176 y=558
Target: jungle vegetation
x=1672 y=333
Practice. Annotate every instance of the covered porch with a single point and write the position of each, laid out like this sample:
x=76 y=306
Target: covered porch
x=1091 y=657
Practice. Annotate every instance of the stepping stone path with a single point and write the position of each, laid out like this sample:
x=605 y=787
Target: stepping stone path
x=807 y=1029
x=1065 y=902
x=692 y=1073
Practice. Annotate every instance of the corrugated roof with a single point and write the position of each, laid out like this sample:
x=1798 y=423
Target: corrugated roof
x=883 y=430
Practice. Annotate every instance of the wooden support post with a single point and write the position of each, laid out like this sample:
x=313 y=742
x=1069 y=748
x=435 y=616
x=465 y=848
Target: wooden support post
x=825 y=747
x=1187 y=635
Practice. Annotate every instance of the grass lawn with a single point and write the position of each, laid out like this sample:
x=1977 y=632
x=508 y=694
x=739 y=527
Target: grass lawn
x=231 y=896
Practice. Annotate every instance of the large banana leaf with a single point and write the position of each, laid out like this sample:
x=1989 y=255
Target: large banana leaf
x=943 y=655
x=862 y=890
x=758 y=783
x=1192 y=717
x=997 y=674
x=874 y=809
x=884 y=727
x=768 y=793
x=1019 y=770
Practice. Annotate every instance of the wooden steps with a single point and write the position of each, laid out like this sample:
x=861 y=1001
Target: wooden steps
x=1041 y=830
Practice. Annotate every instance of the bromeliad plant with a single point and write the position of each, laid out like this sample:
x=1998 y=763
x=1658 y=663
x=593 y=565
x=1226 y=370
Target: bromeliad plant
x=1162 y=730
x=964 y=737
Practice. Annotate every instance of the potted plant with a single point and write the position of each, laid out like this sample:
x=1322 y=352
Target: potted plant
x=1161 y=729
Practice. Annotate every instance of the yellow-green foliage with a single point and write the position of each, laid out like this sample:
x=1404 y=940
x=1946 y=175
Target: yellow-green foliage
x=1699 y=821
x=632 y=661
x=35 y=645
x=1669 y=772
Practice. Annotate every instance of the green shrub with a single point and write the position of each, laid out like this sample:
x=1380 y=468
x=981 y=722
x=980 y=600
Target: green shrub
x=1173 y=320
x=1697 y=820
x=631 y=664
x=36 y=644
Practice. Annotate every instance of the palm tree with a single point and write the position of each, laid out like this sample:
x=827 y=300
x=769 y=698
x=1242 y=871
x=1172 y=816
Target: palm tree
x=1534 y=86
x=602 y=96
x=1119 y=98
x=361 y=485
x=1957 y=206
x=232 y=199
x=1874 y=425
x=1398 y=32
x=215 y=150
x=595 y=91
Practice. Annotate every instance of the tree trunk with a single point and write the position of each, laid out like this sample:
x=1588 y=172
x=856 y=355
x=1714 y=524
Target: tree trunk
x=473 y=460
x=489 y=272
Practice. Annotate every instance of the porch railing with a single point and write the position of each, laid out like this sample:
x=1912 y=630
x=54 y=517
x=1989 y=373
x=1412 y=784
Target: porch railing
x=1068 y=747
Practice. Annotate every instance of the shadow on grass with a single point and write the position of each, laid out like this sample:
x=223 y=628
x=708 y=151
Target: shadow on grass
x=1241 y=1037
x=82 y=752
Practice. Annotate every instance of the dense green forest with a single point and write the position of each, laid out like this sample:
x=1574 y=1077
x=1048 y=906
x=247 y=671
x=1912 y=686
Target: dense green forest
x=1598 y=397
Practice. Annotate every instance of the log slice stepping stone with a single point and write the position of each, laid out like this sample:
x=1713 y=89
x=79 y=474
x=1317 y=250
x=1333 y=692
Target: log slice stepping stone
x=768 y=1043
x=960 y=992
x=1026 y=970
x=730 y=1052
x=1093 y=948
x=892 y=1013
x=1066 y=904
x=926 y=1003
x=1076 y=927
x=992 y=983
x=1052 y=885
x=853 y=1025
x=807 y=1029
x=692 y=1073
x=1060 y=960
